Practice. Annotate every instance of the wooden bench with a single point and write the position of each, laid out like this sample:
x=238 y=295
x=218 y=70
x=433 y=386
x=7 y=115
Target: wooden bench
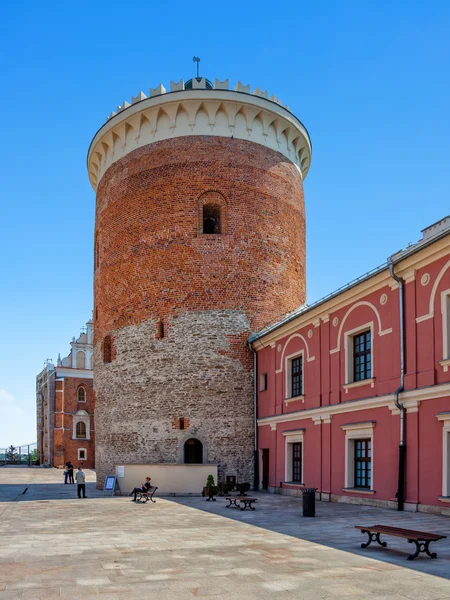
x=420 y=538
x=146 y=496
x=244 y=501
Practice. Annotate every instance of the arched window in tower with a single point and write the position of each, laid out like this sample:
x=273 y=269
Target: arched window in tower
x=212 y=213
x=81 y=360
x=193 y=451
x=81 y=430
x=81 y=394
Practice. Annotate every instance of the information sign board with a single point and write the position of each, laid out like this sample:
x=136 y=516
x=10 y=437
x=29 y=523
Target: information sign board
x=110 y=484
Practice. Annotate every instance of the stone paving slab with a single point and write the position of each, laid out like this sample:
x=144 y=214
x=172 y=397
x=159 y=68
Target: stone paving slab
x=53 y=545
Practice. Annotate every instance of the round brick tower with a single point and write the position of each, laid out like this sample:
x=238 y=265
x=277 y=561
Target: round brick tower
x=199 y=241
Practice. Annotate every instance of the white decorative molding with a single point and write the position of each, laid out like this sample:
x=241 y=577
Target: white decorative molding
x=411 y=406
x=383 y=299
x=335 y=322
x=386 y=401
x=425 y=279
x=310 y=333
x=198 y=112
x=273 y=426
x=445 y=364
x=294 y=399
x=291 y=337
x=424 y=318
x=436 y=284
x=351 y=309
x=355 y=384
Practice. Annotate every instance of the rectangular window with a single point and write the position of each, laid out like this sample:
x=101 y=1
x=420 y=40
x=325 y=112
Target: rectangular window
x=297 y=376
x=363 y=463
x=263 y=382
x=362 y=356
x=297 y=462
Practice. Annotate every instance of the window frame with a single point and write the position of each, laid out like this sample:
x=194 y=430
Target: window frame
x=349 y=352
x=81 y=416
x=445 y=310
x=83 y=389
x=445 y=418
x=354 y=432
x=85 y=453
x=288 y=381
x=216 y=199
x=293 y=437
x=366 y=446
x=366 y=354
x=80 y=425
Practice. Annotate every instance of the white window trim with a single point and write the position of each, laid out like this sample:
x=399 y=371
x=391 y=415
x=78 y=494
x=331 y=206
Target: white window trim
x=357 y=431
x=445 y=310
x=83 y=417
x=292 y=437
x=348 y=345
x=288 y=382
x=445 y=417
x=85 y=453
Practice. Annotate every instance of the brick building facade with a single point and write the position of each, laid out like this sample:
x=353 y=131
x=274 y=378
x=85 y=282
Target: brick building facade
x=199 y=241
x=65 y=402
x=345 y=406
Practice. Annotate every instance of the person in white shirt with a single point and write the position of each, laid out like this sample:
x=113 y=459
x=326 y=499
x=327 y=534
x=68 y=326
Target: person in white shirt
x=80 y=478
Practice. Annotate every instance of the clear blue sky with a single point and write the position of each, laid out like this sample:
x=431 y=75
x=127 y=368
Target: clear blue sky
x=370 y=80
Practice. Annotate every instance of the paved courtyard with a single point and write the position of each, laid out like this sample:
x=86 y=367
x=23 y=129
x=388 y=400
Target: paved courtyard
x=53 y=545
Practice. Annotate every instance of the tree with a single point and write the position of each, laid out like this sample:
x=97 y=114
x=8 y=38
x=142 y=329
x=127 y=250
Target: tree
x=11 y=453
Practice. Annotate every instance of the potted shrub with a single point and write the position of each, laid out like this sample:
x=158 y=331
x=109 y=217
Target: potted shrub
x=242 y=488
x=210 y=490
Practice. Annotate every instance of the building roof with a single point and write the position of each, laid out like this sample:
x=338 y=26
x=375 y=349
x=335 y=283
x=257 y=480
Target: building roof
x=431 y=234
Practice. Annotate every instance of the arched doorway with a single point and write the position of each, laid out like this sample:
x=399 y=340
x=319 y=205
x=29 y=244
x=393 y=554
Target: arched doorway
x=193 y=451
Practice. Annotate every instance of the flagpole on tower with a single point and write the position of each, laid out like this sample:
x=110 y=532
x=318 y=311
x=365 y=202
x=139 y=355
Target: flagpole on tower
x=197 y=60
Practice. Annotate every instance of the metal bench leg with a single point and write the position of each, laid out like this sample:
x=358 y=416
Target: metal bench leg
x=372 y=537
x=230 y=502
x=421 y=547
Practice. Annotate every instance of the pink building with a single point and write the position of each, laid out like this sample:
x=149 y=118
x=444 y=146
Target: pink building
x=344 y=406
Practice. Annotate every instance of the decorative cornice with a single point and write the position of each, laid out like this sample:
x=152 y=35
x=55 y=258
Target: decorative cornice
x=199 y=111
x=410 y=398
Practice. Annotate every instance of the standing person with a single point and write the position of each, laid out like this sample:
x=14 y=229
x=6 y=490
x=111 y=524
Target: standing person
x=66 y=473
x=146 y=487
x=81 y=483
x=70 y=468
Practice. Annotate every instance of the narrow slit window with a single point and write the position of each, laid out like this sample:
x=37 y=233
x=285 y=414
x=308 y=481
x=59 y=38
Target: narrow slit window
x=107 y=349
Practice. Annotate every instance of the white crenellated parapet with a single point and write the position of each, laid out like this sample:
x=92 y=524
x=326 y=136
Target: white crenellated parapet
x=202 y=111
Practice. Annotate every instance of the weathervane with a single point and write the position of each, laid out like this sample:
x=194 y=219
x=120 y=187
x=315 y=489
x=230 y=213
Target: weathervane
x=197 y=60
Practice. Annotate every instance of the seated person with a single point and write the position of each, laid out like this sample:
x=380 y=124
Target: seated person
x=146 y=487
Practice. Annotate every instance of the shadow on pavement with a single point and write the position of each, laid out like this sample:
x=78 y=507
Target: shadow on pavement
x=334 y=524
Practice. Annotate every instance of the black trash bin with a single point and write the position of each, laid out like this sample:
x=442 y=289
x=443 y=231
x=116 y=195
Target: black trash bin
x=309 y=502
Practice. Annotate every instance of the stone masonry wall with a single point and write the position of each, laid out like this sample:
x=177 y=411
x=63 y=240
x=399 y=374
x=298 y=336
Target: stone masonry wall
x=202 y=372
x=176 y=306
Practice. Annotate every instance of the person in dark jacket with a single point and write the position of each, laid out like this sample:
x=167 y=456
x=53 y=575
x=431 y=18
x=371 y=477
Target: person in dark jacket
x=146 y=487
x=69 y=467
